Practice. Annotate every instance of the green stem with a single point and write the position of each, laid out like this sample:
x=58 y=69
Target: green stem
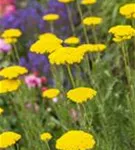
x=16 y=52
x=94 y=35
x=70 y=19
x=48 y=147
x=71 y=76
x=51 y=27
x=81 y=17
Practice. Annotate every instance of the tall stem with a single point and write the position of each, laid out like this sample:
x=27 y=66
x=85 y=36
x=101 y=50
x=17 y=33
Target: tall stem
x=70 y=19
x=71 y=76
x=81 y=17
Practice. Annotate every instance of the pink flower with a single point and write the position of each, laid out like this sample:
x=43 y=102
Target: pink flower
x=33 y=81
x=9 y=9
x=4 y=47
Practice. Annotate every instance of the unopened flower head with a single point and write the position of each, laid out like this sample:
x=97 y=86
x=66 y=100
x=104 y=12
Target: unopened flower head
x=45 y=136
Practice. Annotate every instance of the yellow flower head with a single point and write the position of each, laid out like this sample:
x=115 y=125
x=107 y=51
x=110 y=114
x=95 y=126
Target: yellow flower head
x=128 y=10
x=10 y=40
x=92 y=21
x=65 y=1
x=81 y=94
x=122 y=32
x=51 y=93
x=75 y=140
x=11 y=33
x=45 y=136
x=13 y=72
x=47 y=43
x=72 y=40
x=92 y=47
x=8 y=139
x=1 y=111
x=51 y=17
x=88 y=2
x=9 y=85
x=66 y=55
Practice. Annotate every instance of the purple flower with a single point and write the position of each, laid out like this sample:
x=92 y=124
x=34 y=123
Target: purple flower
x=4 y=47
x=35 y=62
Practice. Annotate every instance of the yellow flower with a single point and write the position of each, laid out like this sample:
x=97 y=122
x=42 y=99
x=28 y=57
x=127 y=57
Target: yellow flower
x=88 y=2
x=72 y=40
x=11 y=33
x=51 y=93
x=122 y=32
x=9 y=85
x=75 y=140
x=51 y=17
x=8 y=139
x=13 y=72
x=1 y=111
x=66 y=55
x=92 y=21
x=92 y=47
x=65 y=1
x=128 y=10
x=81 y=94
x=45 y=136
x=10 y=40
x=47 y=43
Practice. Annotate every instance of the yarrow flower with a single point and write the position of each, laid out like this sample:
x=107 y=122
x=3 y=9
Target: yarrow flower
x=92 y=21
x=72 y=40
x=8 y=139
x=1 y=110
x=88 y=2
x=4 y=47
x=11 y=35
x=51 y=93
x=92 y=47
x=75 y=140
x=128 y=10
x=47 y=43
x=66 y=55
x=122 y=32
x=46 y=136
x=51 y=17
x=9 y=85
x=65 y=1
x=13 y=72
x=81 y=94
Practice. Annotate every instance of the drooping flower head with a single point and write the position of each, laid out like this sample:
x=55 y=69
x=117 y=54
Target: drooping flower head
x=51 y=93
x=122 y=32
x=8 y=139
x=75 y=140
x=51 y=17
x=45 y=136
x=9 y=85
x=13 y=72
x=88 y=2
x=128 y=10
x=92 y=21
x=81 y=94
x=66 y=55
x=72 y=40
x=4 y=47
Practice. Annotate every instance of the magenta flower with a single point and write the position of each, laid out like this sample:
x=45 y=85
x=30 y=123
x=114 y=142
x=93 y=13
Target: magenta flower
x=33 y=81
x=4 y=47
